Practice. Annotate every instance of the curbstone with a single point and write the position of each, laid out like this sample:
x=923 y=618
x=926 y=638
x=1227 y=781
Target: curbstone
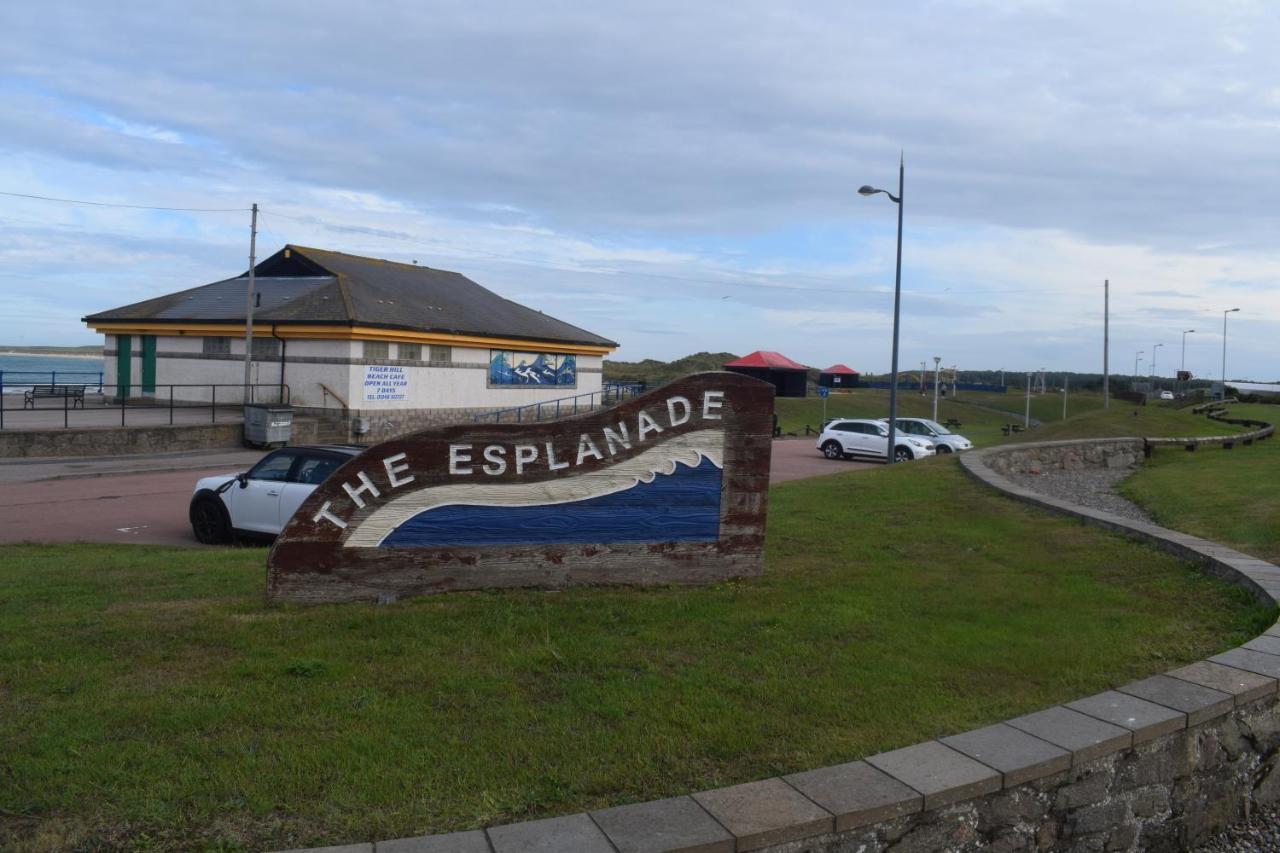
x=473 y=841
x=764 y=813
x=1084 y=736
x=1146 y=720
x=1242 y=685
x=942 y=774
x=1019 y=756
x=675 y=825
x=1199 y=703
x=857 y=793
x=1250 y=661
x=572 y=834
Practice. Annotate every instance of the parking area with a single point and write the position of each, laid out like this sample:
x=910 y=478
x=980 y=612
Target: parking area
x=108 y=500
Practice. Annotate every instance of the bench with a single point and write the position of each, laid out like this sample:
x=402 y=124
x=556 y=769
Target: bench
x=1011 y=428
x=952 y=423
x=74 y=393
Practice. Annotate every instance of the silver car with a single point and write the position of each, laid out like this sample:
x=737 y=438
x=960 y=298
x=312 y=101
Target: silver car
x=942 y=439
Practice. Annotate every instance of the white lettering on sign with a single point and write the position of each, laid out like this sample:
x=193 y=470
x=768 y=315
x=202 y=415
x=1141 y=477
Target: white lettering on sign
x=496 y=456
x=459 y=454
x=366 y=486
x=385 y=382
x=679 y=411
x=396 y=466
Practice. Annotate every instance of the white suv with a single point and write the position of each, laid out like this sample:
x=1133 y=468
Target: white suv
x=942 y=439
x=259 y=502
x=843 y=438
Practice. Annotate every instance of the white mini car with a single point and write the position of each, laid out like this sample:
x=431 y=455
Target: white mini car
x=259 y=502
x=1166 y=395
x=943 y=439
x=844 y=438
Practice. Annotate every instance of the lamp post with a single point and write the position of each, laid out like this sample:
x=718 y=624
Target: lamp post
x=1224 y=349
x=1154 y=376
x=1026 y=418
x=1182 y=366
x=897 y=304
x=1137 y=357
x=936 y=361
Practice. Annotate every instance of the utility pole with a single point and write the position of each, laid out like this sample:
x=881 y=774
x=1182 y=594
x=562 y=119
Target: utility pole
x=1026 y=420
x=1106 y=343
x=248 y=311
x=924 y=365
x=955 y=381
x=936 y=361
x=1065 y=379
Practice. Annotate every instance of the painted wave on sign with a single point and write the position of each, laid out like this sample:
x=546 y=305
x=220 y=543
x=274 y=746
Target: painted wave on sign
x=669 y=493
x=683 y=506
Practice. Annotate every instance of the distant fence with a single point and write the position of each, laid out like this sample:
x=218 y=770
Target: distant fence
x=612 y=394
x=83 y=403
x=915 y=386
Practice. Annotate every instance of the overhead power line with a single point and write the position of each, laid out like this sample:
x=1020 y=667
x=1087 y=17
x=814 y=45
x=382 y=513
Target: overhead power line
x=129 y=206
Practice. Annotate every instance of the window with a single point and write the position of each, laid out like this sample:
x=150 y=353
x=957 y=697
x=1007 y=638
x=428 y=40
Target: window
x=314 y=470
x=377 y=349
x=410 y=352
x=274 y=468
x=266 y=348
x=440 y=354
x=217 y=346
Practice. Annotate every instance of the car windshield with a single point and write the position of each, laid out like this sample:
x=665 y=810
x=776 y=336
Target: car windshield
x=936 y=427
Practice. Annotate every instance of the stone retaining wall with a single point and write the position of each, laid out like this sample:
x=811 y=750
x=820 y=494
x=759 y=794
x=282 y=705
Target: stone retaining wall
x=1154 y=765
x=117 y=441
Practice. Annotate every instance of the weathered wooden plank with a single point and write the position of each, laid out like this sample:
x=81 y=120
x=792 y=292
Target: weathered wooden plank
x=668 y=487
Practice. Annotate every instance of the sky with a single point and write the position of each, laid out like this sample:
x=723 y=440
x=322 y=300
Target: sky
x=678 y=177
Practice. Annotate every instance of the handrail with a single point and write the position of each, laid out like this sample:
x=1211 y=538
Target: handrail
x=608 y=395
x=153 y=399
x=329 y=392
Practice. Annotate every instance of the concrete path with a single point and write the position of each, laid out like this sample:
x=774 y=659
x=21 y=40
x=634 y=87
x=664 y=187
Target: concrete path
x=798 y=458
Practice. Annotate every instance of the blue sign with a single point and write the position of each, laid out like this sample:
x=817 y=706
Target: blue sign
x=823 y=391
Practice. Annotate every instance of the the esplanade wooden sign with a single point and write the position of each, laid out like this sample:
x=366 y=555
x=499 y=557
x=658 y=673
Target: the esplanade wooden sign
x=667 y=487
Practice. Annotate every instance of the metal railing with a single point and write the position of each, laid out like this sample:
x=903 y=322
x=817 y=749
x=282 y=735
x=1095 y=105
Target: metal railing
x=610 y=395
x=68 y=377
x=97 y=403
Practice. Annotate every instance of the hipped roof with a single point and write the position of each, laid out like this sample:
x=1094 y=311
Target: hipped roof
x=841 y=368
x=765 y=358
x=301 y=285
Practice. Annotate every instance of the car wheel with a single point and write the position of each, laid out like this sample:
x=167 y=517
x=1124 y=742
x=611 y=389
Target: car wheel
x=902 y=454
x=832 y=450
x=943 y=448
x=209 y=522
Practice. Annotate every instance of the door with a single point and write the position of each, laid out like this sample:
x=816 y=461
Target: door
x=149 y=365
x=877 y=439
x=124 y=365
x=255 y=506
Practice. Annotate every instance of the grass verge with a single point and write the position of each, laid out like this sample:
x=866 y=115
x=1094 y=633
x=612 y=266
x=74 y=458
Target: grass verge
x=1232 y=497
x=150 y=700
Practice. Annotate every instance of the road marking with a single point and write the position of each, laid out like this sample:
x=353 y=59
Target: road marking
x=132 y=529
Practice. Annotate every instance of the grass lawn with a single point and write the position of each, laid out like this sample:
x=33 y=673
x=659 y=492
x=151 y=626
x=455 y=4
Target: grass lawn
x=150 y=700
x=1123 y=419
x=1232 y=497
x=980 y=426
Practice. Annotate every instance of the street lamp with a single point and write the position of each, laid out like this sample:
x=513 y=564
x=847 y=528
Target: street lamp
x=1154 y=377
x=1137 y=357
x=1182 y=366
x=897 y=303
x=937 y=359
x=1224 y=349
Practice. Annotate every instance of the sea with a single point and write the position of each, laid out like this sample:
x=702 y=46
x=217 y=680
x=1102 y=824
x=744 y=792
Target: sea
x=18 y=372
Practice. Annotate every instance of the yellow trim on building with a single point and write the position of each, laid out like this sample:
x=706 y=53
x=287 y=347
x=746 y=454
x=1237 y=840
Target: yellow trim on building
x=344 y=333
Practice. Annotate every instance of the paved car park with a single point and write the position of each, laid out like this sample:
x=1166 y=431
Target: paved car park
x=110 y=500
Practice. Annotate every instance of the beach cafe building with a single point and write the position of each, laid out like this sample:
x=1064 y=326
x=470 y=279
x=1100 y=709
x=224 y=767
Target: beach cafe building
x=391 y=346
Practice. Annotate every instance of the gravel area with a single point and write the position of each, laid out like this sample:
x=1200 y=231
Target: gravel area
x=1259 y=834
x=1092 y=487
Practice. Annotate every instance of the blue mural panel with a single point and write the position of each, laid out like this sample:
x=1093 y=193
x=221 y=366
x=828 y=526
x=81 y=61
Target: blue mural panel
x=683 y=506
x=512 y=367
